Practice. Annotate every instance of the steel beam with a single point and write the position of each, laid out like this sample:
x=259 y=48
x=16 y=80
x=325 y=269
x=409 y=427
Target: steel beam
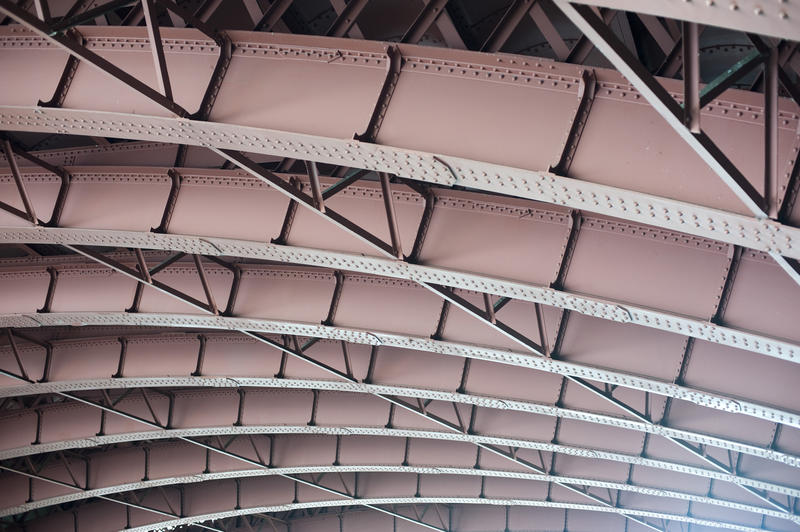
x=748 y=231
x=426 y=18
x=157 y=48
x=272 y=15
x=201 y=476
x=555 y=297
x=698 y=397
x=200 y=379
x=658 y=97
x=776 y=19
x=87 y=56
x=375 y=502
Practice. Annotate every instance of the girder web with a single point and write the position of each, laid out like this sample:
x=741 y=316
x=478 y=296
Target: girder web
x=769 y=230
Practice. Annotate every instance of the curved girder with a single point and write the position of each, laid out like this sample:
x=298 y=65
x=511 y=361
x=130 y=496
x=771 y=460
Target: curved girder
x=417 y=343
x=187 y=414
x=89 y=365
x=460 y=518
x=758 y=234
x=203 y=502
x=79 y=493
x=86 y=475
x=541 y=230
x=434 y=154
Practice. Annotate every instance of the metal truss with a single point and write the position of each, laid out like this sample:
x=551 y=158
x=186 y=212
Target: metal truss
x=758 y=232
x=377 y=503
x=387 y=392
x=600 y=308
x=754 y=232
x=316 y=204
x=456 y=430
x=82 y=492
x=778 y=20
x=504 y=356
x=502 y=403
x=479 y=440
x=685 y=118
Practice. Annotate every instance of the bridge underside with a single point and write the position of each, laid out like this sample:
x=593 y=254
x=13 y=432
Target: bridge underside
x=375 y=265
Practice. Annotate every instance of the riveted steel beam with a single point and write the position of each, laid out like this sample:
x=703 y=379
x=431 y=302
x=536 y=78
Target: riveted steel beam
x=460 y=396
x=421 y=411
x=556 y=297
x=658 y=97
x=642 y=516
x=87 y=56
x=752 y=232
x=251 y=325
x=201 y=476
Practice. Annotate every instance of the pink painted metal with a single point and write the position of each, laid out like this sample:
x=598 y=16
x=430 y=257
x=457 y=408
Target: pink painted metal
x=637 y=367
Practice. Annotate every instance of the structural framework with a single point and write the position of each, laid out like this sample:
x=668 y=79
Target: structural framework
x=371 y=265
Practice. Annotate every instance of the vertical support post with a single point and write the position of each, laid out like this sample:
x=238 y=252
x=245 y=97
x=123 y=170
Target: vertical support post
x=12 y=163
x=462 y=388
x=17 y=357
x=48 y=362
x=201 y=355
x=691 y=76
x=143 y=269
x=212 y=304
x=172 y=199
x=373 y=359
x=391 y=215
x=487 y=303
x=542 y=329
x=771 y=133
x=313 y=421
x=240 y=410
x=51 y=290
x=123 y=350
x=157 y=47
x=337 y=295
x=316 y=189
